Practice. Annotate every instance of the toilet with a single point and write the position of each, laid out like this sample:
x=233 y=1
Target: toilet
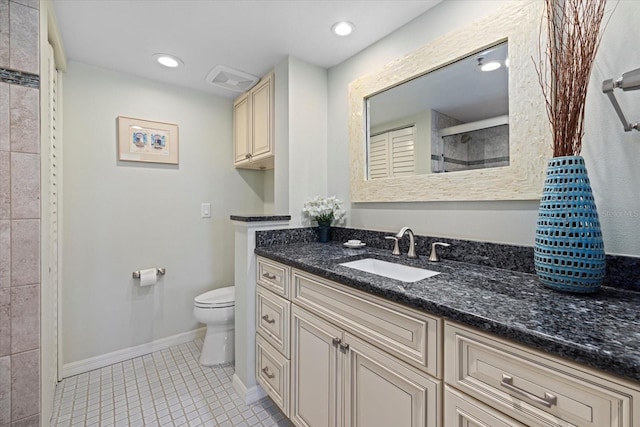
x=216 y=310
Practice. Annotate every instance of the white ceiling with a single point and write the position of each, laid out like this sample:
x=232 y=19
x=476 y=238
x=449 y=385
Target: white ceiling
x=249 y=35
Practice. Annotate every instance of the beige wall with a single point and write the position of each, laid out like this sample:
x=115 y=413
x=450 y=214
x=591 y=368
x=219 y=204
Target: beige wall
x=610 y=153
x=19 y=218
x=125 y=216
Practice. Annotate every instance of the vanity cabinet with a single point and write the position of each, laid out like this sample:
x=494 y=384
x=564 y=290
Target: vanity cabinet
x=253 y=126
x=354 y=359
x=272 y=331
x=341 y=380
x=463 y=411
x=333 y=356
x=531 y=387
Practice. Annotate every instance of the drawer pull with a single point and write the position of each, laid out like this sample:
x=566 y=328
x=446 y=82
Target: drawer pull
x=549 y=399
x=266 y=319
x=269 y=276
x=265 y=370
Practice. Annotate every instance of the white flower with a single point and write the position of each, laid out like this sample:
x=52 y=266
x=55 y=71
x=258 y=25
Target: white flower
x=324 y=210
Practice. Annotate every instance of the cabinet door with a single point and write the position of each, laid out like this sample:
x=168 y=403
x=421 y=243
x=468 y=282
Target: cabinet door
x=381 y=391
x=463 y=411
x=314 y=371
x=262 y=117
x=241 y=132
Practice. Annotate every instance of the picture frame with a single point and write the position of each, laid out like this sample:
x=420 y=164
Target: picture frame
x=147 y=141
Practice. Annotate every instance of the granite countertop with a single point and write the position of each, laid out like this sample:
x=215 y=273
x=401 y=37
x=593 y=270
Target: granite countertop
x=259 y=218
x=601 y=330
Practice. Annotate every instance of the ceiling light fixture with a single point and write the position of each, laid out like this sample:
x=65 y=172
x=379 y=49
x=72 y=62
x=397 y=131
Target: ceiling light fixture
x=488 y=66
x=342 y=28
x=168 y=60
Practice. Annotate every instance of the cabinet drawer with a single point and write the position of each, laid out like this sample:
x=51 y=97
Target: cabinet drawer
x=272 y=319
x=463 y=411
x=408 y=334
x=534 y=388
x=272 y=373
x=273 y=276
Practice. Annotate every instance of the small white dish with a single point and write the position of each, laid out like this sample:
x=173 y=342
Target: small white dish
x=350 y=246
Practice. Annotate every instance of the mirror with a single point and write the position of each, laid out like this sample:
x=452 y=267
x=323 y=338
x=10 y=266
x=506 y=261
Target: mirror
x=513 y=170
x=451 y=119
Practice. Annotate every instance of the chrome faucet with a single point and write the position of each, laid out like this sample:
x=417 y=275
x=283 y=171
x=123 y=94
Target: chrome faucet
x=412 y=243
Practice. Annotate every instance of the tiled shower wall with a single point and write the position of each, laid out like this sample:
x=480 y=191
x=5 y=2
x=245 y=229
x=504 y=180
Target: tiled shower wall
x=19 y=214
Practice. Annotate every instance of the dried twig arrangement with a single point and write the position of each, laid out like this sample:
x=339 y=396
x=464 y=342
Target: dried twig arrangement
x=573 y=36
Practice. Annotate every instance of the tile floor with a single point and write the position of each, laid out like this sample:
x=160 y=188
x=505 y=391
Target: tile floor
x=165 y=388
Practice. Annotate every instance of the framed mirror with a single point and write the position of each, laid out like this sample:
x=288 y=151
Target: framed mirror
x=433 y=127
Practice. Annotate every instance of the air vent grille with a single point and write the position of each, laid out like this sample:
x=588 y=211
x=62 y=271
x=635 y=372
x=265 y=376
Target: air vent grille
x=230 y=79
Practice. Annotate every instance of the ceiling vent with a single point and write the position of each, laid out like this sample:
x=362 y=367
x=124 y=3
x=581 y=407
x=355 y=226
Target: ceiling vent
x=230 y=79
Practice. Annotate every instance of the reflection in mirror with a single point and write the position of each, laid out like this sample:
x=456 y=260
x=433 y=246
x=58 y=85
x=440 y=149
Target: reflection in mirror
x=451 y=119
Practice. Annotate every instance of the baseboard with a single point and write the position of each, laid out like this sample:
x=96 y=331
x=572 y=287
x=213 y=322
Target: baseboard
x=248 y=395
x=92 y=363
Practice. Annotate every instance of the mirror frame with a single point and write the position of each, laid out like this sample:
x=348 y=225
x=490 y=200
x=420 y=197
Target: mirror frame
x=529 y=133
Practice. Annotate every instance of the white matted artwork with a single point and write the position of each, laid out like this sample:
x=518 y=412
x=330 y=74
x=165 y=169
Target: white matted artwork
x=146 y=141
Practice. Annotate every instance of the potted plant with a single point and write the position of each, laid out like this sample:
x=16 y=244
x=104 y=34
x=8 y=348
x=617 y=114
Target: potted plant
x=569 y=251
x=323 y=210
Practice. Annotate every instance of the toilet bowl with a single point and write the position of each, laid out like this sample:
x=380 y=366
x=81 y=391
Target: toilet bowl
x=216 y=310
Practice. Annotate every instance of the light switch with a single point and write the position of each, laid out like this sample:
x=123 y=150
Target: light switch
x=205 y=210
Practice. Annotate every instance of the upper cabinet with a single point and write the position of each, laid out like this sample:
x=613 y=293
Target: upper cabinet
x=253 y=126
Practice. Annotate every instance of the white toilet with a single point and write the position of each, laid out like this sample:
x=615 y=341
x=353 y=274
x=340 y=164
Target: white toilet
x=216 y=310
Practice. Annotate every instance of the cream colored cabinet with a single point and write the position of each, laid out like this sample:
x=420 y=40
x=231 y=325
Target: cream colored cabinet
x=341 y=380
x=253 y=126
x=463 y=411
x=315 y=363
x=534 y=388
x=272 y=331
x=409 y=335
x=382 y=391
x=332 y=356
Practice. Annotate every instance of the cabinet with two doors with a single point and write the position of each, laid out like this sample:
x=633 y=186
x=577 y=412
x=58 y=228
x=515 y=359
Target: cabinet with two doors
x=330 y=355
x=253 y=126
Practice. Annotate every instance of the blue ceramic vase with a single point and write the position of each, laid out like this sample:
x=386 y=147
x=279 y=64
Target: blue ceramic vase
x=569 y=251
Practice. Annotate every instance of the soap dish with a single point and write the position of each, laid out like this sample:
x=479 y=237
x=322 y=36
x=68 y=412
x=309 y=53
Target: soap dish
x=358 y=246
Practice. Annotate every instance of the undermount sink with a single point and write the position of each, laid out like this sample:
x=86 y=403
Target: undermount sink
x=391 y=270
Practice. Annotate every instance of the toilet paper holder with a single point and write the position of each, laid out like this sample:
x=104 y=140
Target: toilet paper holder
x=160 y=271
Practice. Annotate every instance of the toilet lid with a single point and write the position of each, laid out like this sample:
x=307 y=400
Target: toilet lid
x=223 y=297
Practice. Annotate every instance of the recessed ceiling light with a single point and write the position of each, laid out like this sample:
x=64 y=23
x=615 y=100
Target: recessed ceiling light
x=490 y=66
x=342 y=28
x=168 y=60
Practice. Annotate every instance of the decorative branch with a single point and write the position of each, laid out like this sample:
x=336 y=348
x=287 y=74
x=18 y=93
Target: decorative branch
x=573 y=37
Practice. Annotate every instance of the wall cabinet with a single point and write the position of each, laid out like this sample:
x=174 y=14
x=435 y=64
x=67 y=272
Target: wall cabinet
x=253 y=126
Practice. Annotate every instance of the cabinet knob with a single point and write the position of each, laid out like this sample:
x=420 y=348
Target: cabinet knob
x=246 y=156
x=336 y=342
x=344 y=347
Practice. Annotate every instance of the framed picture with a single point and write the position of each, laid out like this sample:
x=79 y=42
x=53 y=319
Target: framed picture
x=147 y=141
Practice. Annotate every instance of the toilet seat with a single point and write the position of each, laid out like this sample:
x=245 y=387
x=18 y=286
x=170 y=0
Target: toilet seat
x=218 y=298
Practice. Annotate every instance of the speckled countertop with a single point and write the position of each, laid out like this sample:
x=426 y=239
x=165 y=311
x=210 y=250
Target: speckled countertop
x=601 y=330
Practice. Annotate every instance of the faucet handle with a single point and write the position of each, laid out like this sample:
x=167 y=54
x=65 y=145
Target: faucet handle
x=396 y=248
x=434 y=254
